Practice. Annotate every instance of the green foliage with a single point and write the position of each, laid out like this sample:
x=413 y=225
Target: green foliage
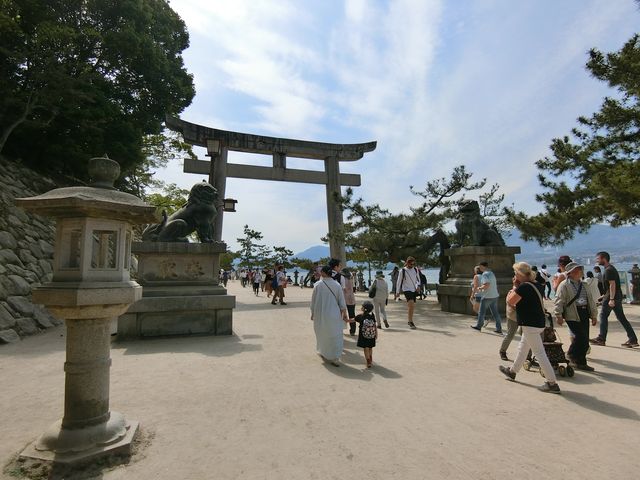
x=280 y=256
x=303 y=263
x=226 y=260
x=390 y=237
x=593 y=176
x=252 y=254
x=80 y=78
x=169 y=199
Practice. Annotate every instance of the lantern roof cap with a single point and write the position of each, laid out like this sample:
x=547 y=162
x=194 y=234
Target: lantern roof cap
x=99 y=200
x=89 y=202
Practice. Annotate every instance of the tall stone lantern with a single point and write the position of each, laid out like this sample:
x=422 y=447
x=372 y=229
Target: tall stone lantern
x=90 y=288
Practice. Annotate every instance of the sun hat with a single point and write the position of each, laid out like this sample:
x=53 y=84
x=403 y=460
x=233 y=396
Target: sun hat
x=571 y=266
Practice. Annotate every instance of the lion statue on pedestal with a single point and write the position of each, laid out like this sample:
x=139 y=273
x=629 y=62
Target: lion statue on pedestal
x=471 y=229
x=196 y=215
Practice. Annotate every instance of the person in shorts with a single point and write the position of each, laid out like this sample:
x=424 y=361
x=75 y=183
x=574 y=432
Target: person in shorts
x=409 y=284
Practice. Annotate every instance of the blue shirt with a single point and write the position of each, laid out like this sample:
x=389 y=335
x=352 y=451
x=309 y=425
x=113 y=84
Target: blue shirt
x=490 y=278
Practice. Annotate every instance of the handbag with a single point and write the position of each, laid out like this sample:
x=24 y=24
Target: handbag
x=372 y=291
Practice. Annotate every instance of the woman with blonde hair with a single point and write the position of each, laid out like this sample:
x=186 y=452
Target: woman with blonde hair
x=528 y=301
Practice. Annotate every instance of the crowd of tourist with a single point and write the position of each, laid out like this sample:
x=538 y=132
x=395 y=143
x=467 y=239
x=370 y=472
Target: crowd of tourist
x=580 y=299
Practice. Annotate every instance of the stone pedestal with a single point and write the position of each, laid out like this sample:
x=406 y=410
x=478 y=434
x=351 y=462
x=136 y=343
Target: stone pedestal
x=454 y=293
x=182 y=295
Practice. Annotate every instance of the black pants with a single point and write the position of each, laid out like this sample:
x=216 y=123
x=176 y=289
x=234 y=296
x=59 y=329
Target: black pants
x=351 y=312
x=578 y=349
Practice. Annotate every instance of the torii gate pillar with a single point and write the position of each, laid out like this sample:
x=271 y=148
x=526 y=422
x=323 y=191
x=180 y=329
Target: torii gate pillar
x=334 y=211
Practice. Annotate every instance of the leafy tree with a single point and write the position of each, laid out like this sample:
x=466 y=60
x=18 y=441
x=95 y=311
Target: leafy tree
x=157 y=150
x=252 y=254
x=303 y=263
x=79 y=78
x=226 y=260
x=280 y=256
x=169 y=199
x=391 y=237
x=593 y=175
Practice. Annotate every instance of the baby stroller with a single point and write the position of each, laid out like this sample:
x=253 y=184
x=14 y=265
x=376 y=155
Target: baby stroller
x=554 y=351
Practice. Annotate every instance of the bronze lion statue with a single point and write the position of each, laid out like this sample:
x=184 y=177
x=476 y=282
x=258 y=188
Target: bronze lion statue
x=472 y=229
x=196 y=215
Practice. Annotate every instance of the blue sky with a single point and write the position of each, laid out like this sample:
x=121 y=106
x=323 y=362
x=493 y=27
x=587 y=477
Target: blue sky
x=485 y=83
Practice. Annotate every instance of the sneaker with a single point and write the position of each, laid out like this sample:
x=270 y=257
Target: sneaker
x=386 y=324
x=412 y=325
x=597 y=341
x=630 y=343
x=283 y=303
x=508 y=373
x=503 y=356
x=379 y=326
x=549 y=388
x=499 y=332
x=475 y=327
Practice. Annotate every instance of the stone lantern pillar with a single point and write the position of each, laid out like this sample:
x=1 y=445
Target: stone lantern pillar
x=90 y=288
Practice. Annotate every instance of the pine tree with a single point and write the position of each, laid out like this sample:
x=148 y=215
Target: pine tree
x=593 y=176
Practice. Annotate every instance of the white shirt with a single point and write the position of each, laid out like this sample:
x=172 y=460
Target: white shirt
x=408 y=280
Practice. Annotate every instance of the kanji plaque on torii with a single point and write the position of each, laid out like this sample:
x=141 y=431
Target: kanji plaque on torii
x=219 y=142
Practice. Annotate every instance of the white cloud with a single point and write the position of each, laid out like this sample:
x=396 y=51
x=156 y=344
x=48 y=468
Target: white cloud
x=436 y=83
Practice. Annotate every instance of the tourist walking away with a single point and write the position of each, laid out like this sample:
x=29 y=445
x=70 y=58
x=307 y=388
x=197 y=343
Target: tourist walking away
x=257 y=281
x=394 y=279
x=489 y=288
x=563 y=261
x=476 y=295
x=346 y=282
x=612 y=300
x=423 y=284
x=575 y=304
x=547 y=281
x=368 y=332
x=268 y=282
x=409 y=284
x=529 y=304
x=380 y=298
x=592 y=283
x=597 y=272
x=279 y=283
x=512 y=324
x=328 y=313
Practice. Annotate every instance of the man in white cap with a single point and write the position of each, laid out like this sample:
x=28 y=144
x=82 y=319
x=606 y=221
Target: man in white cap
x=575 y=304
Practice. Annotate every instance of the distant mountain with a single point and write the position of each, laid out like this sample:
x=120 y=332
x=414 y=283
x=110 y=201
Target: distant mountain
x=314 y=253
x=622 y=243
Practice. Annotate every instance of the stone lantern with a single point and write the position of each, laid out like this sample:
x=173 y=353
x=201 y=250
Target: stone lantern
x=89 y=289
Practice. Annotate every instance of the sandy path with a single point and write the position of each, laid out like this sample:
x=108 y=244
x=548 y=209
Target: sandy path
x=261 y=405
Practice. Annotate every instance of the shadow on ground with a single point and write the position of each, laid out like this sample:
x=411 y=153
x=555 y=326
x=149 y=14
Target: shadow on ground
x=215 y=346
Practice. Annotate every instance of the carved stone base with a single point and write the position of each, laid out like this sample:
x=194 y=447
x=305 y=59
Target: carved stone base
x=59 y=445
x=454 y=293
x=181 y=294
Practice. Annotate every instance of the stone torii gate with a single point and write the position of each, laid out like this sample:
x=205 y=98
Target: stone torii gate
x=219 y=142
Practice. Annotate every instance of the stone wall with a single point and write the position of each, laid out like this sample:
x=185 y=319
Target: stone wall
x=26 y=253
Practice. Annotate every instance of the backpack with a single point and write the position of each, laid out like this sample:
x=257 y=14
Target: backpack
x=368 y=328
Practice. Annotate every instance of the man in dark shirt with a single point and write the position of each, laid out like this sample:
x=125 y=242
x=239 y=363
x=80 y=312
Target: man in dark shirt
x=612 y=300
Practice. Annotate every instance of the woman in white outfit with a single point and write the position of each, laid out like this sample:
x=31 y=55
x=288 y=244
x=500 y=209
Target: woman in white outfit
x=328 y=313
x=380 y=299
